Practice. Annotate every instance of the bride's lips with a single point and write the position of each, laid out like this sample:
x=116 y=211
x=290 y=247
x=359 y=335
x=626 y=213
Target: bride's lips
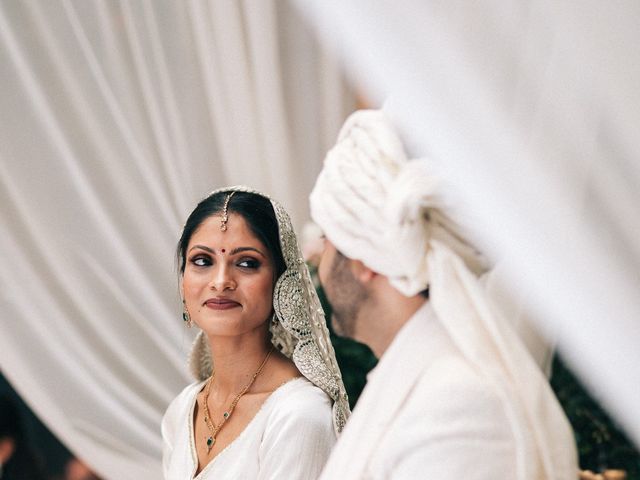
x=221 y=304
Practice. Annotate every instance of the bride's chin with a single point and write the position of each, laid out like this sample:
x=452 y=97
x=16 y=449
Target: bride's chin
x=231 y=327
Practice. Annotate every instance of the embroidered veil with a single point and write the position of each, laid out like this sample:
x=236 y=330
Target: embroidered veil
x=299 y=328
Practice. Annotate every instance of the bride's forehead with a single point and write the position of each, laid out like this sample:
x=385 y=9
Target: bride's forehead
x=237 y=230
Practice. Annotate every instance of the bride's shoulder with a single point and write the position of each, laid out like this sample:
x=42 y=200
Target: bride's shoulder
x=300 y=406
x=178 y=410
x=184 y=399
x=300 y=397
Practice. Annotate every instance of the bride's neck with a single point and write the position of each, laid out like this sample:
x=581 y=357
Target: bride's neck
x=235 y=362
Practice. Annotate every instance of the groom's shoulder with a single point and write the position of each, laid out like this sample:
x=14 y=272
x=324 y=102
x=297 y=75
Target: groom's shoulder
x=451 y=385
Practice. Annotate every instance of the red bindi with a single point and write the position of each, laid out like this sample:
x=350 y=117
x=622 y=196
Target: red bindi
x=223 y=250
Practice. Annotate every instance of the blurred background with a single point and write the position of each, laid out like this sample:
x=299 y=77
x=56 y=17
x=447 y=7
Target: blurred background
x=118 y=116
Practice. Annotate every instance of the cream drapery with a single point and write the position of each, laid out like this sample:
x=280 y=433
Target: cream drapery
x=532 y=109
x=116 y=117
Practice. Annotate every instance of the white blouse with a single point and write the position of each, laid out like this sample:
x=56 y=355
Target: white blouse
x=290 y=437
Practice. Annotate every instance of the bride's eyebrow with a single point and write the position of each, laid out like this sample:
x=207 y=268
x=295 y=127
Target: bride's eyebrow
x=202 y=247
x=233 y=252
x=247 y=249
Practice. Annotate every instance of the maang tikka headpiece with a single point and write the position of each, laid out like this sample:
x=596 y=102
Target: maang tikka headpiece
x=225 y=216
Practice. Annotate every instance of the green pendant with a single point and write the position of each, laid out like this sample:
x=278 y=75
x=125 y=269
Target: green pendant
x=210 y=442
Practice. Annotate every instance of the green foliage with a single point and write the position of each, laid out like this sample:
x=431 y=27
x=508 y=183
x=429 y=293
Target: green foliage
x=601 y=444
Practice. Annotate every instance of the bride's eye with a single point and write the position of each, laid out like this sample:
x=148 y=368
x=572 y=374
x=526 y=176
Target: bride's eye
x=250 y=263
x=201 y=261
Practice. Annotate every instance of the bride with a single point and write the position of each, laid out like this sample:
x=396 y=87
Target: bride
x=269 y=399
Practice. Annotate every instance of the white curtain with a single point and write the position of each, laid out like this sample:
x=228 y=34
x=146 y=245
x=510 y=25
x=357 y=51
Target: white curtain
x=532 y=108
x=116 y=117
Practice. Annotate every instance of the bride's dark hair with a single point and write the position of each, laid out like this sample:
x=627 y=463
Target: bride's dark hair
x=255 y=209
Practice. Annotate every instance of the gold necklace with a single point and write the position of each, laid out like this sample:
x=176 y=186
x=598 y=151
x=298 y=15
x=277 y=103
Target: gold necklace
x=213 y=428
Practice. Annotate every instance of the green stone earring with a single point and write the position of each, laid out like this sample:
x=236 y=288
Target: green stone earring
x=186 y=318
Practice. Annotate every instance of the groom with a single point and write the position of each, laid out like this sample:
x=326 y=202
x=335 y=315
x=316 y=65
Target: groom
x=455 y=394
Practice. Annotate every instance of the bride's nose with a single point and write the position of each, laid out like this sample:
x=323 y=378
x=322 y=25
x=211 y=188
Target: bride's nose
x=222 y=279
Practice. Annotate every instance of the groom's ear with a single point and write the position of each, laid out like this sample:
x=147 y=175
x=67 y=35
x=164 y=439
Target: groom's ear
x=360 y=271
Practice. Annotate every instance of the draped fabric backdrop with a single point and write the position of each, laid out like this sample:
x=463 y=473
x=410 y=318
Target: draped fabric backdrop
x=532 y=109
x=116 y=118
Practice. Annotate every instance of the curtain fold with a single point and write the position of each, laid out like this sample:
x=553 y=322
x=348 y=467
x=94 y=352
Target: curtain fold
x=117 y=117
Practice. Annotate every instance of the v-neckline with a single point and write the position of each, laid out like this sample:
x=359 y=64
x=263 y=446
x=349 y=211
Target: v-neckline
x=192 y=420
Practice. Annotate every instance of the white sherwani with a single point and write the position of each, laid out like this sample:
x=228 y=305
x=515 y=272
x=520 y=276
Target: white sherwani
x=426 y=412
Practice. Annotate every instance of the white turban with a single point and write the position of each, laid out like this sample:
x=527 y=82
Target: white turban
x=376 y=206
